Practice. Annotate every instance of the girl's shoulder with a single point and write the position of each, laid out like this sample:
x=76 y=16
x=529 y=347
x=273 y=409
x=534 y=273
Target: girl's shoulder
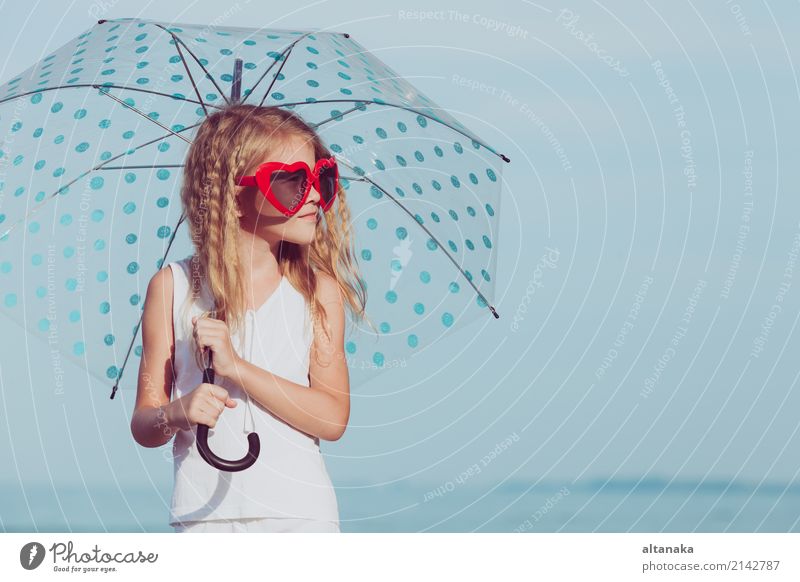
x=183 y=265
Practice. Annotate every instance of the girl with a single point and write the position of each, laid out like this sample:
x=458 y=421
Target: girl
x=265 y=293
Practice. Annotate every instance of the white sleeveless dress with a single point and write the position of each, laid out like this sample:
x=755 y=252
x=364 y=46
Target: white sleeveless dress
x=289 y=479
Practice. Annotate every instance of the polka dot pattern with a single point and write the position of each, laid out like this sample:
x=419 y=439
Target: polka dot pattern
x=92 y=254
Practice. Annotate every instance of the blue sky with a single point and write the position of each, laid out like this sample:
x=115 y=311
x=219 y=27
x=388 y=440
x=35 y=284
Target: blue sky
x=588 y=101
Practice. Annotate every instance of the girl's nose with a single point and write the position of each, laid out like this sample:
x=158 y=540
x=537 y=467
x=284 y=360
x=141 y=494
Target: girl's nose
x=314 y=195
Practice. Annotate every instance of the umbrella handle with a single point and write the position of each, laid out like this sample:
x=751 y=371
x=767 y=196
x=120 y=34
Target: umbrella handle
x=254 y=443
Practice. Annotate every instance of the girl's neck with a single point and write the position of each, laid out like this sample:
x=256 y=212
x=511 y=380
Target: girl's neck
x=258 y=255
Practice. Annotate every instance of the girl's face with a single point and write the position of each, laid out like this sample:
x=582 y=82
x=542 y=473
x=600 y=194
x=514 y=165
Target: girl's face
x=260 y=217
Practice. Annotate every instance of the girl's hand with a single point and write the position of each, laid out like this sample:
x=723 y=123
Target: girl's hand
x=203 y=405
x=214 y=334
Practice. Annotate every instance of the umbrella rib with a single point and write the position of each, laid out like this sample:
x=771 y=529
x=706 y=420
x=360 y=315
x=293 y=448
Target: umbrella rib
x=410 y=109
x=332 y=117
x=284 y=54
x=352 y=178
x=191 y=78
x=141 y=314
x=52 y=196
x=118 y=100
x=96 y=86
x=438 y=244
x=177 y=39
x=150 y=167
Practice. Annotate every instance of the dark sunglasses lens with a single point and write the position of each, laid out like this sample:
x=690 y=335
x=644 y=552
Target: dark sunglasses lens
x=288 y=187
x=327 y=184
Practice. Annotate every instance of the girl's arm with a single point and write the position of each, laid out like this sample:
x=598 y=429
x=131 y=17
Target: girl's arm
x=323 y=408
x=150 y=424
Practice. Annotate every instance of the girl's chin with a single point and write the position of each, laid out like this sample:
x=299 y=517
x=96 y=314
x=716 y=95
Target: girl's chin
x=300 y=238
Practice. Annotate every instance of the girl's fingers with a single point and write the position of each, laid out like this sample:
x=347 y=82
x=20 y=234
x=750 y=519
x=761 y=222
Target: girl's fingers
x=205 y=417
x=216 y=404
x=208 y=335
x=204 y=340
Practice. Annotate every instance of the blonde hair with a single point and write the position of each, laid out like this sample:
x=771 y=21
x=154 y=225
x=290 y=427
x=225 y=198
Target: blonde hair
x=229 y=143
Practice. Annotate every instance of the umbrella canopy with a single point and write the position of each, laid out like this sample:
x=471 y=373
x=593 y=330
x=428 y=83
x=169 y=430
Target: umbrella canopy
x=95 y=136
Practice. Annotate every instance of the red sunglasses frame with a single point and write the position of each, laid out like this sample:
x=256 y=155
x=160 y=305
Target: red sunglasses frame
x=263 y=175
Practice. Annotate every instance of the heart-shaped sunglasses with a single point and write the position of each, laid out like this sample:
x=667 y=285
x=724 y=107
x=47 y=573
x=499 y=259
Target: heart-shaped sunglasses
x=287 y=186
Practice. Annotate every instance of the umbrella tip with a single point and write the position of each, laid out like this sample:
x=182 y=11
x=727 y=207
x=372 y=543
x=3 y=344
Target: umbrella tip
x=346 y=35
x=505 y=158
x=113 y=391
x=101 y=21
x=494 y=312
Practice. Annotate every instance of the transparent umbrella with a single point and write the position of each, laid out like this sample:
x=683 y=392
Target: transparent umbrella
x=95 y=135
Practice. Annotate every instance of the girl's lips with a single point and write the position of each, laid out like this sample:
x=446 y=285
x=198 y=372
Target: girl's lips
x=309 y=217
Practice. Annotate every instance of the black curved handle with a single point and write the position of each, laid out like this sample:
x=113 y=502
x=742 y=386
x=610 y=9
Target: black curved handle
x=254 y=443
